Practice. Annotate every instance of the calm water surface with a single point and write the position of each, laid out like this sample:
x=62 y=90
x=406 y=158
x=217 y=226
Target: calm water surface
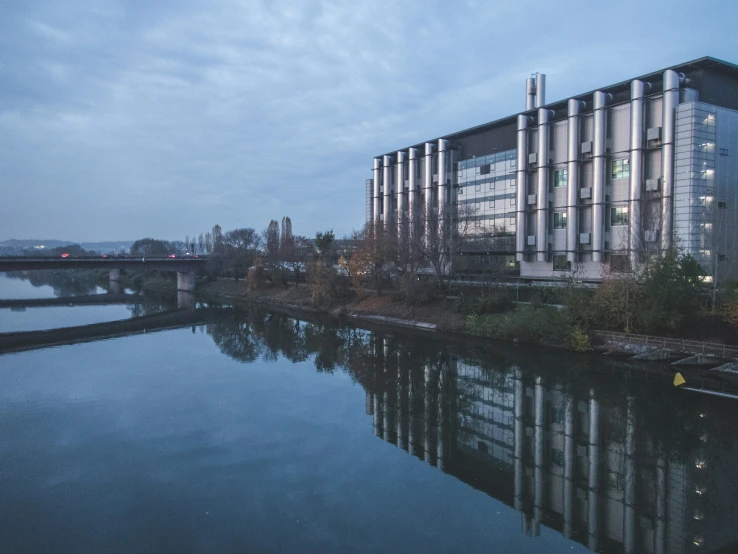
x=256 y=432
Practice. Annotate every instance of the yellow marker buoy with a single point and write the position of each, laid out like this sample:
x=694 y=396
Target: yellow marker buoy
x=678 y=379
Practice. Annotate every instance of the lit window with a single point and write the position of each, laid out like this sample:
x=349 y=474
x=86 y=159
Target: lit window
x=560 y=178
x=619 y=216
x=559 y=220
x=512 y=201
x=621 y=168
x=491 y=203
x=478 y=188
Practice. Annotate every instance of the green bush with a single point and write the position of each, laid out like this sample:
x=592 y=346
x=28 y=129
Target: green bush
x=491 y=303
x=525 y=324
x=415 y=291
x=580 y=340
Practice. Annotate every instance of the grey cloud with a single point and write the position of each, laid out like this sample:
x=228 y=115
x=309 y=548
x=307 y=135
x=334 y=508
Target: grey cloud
x=120 y=120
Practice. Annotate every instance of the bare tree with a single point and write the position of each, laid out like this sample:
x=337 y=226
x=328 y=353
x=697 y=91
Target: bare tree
x=271 y=242
x=435 y=238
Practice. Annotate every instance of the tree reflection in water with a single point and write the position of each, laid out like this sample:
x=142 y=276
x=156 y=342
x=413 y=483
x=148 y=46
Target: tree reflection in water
x=614 y=464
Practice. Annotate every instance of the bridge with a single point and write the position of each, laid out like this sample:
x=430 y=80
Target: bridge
x=186 y=268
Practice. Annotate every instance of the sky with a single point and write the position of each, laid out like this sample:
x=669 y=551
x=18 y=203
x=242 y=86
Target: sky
x=121 y=120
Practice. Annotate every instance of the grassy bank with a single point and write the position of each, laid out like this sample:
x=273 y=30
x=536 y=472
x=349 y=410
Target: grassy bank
x=437 y=312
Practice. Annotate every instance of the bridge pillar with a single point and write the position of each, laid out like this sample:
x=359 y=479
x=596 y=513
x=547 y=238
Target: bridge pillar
x=186 y=281
x=114 y=287
x=114 y=274
x=186 y=300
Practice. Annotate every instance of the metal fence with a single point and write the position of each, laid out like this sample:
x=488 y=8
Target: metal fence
x=676 y=345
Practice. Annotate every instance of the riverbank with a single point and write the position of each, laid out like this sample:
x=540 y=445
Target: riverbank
x=387 y=308
x=524 y=323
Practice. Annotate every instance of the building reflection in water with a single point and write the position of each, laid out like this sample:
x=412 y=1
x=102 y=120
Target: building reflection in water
x=615 y=466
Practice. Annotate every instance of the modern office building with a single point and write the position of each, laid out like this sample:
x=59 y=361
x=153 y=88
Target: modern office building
x=592 y=183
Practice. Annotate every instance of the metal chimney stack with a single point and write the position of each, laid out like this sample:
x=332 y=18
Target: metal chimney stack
x=540 y=90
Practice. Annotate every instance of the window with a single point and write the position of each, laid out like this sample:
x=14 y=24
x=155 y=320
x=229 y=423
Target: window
x=491 y=203
x=560 y=178
x=721 y=257
x=722 y=204
x=461 y=190
x=621 y=168
x=723 y=151
x=619 y=216
x=559 y=220
x=484 y=170
x=560 y=264
x=512 y=201
x=477 y=188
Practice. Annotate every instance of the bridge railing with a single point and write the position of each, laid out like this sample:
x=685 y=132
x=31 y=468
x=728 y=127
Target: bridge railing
x=676 y=345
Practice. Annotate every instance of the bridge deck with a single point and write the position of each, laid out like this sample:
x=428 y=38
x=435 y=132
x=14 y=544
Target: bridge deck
x=22 y=263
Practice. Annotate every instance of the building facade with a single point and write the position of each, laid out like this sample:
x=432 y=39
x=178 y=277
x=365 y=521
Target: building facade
x=597 y=182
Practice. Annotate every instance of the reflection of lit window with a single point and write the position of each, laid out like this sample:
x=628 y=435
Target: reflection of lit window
x=698 y=515
x=698 y=541
x=700 y=464
x=700 y=490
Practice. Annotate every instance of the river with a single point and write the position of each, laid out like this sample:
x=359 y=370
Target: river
x=261 y=432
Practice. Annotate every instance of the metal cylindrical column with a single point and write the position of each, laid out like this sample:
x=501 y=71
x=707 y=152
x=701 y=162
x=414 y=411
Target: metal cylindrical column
x=572 y=172
x=387 y=179
x=442 y=179
x=412 y=194
x=428 y=188
x=672 y=82
x=400 y=187
x=598 y=179
x=540 y=90
x=637 y=90
x=377 y=174
x=522 y=186
x=530 y=93
x=593 y=485
x=542 y=214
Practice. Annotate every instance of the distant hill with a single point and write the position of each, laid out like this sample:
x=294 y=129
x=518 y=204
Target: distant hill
x=19 y=245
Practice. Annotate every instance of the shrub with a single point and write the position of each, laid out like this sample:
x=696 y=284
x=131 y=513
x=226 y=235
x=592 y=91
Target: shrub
x=256 y=278
x=492 y=303
x=525 y=324
x=580 y=340
x=415 y=291
x=327 y=287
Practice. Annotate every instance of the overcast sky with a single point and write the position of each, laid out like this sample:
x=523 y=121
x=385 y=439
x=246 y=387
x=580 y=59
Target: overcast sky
x=120 y=120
